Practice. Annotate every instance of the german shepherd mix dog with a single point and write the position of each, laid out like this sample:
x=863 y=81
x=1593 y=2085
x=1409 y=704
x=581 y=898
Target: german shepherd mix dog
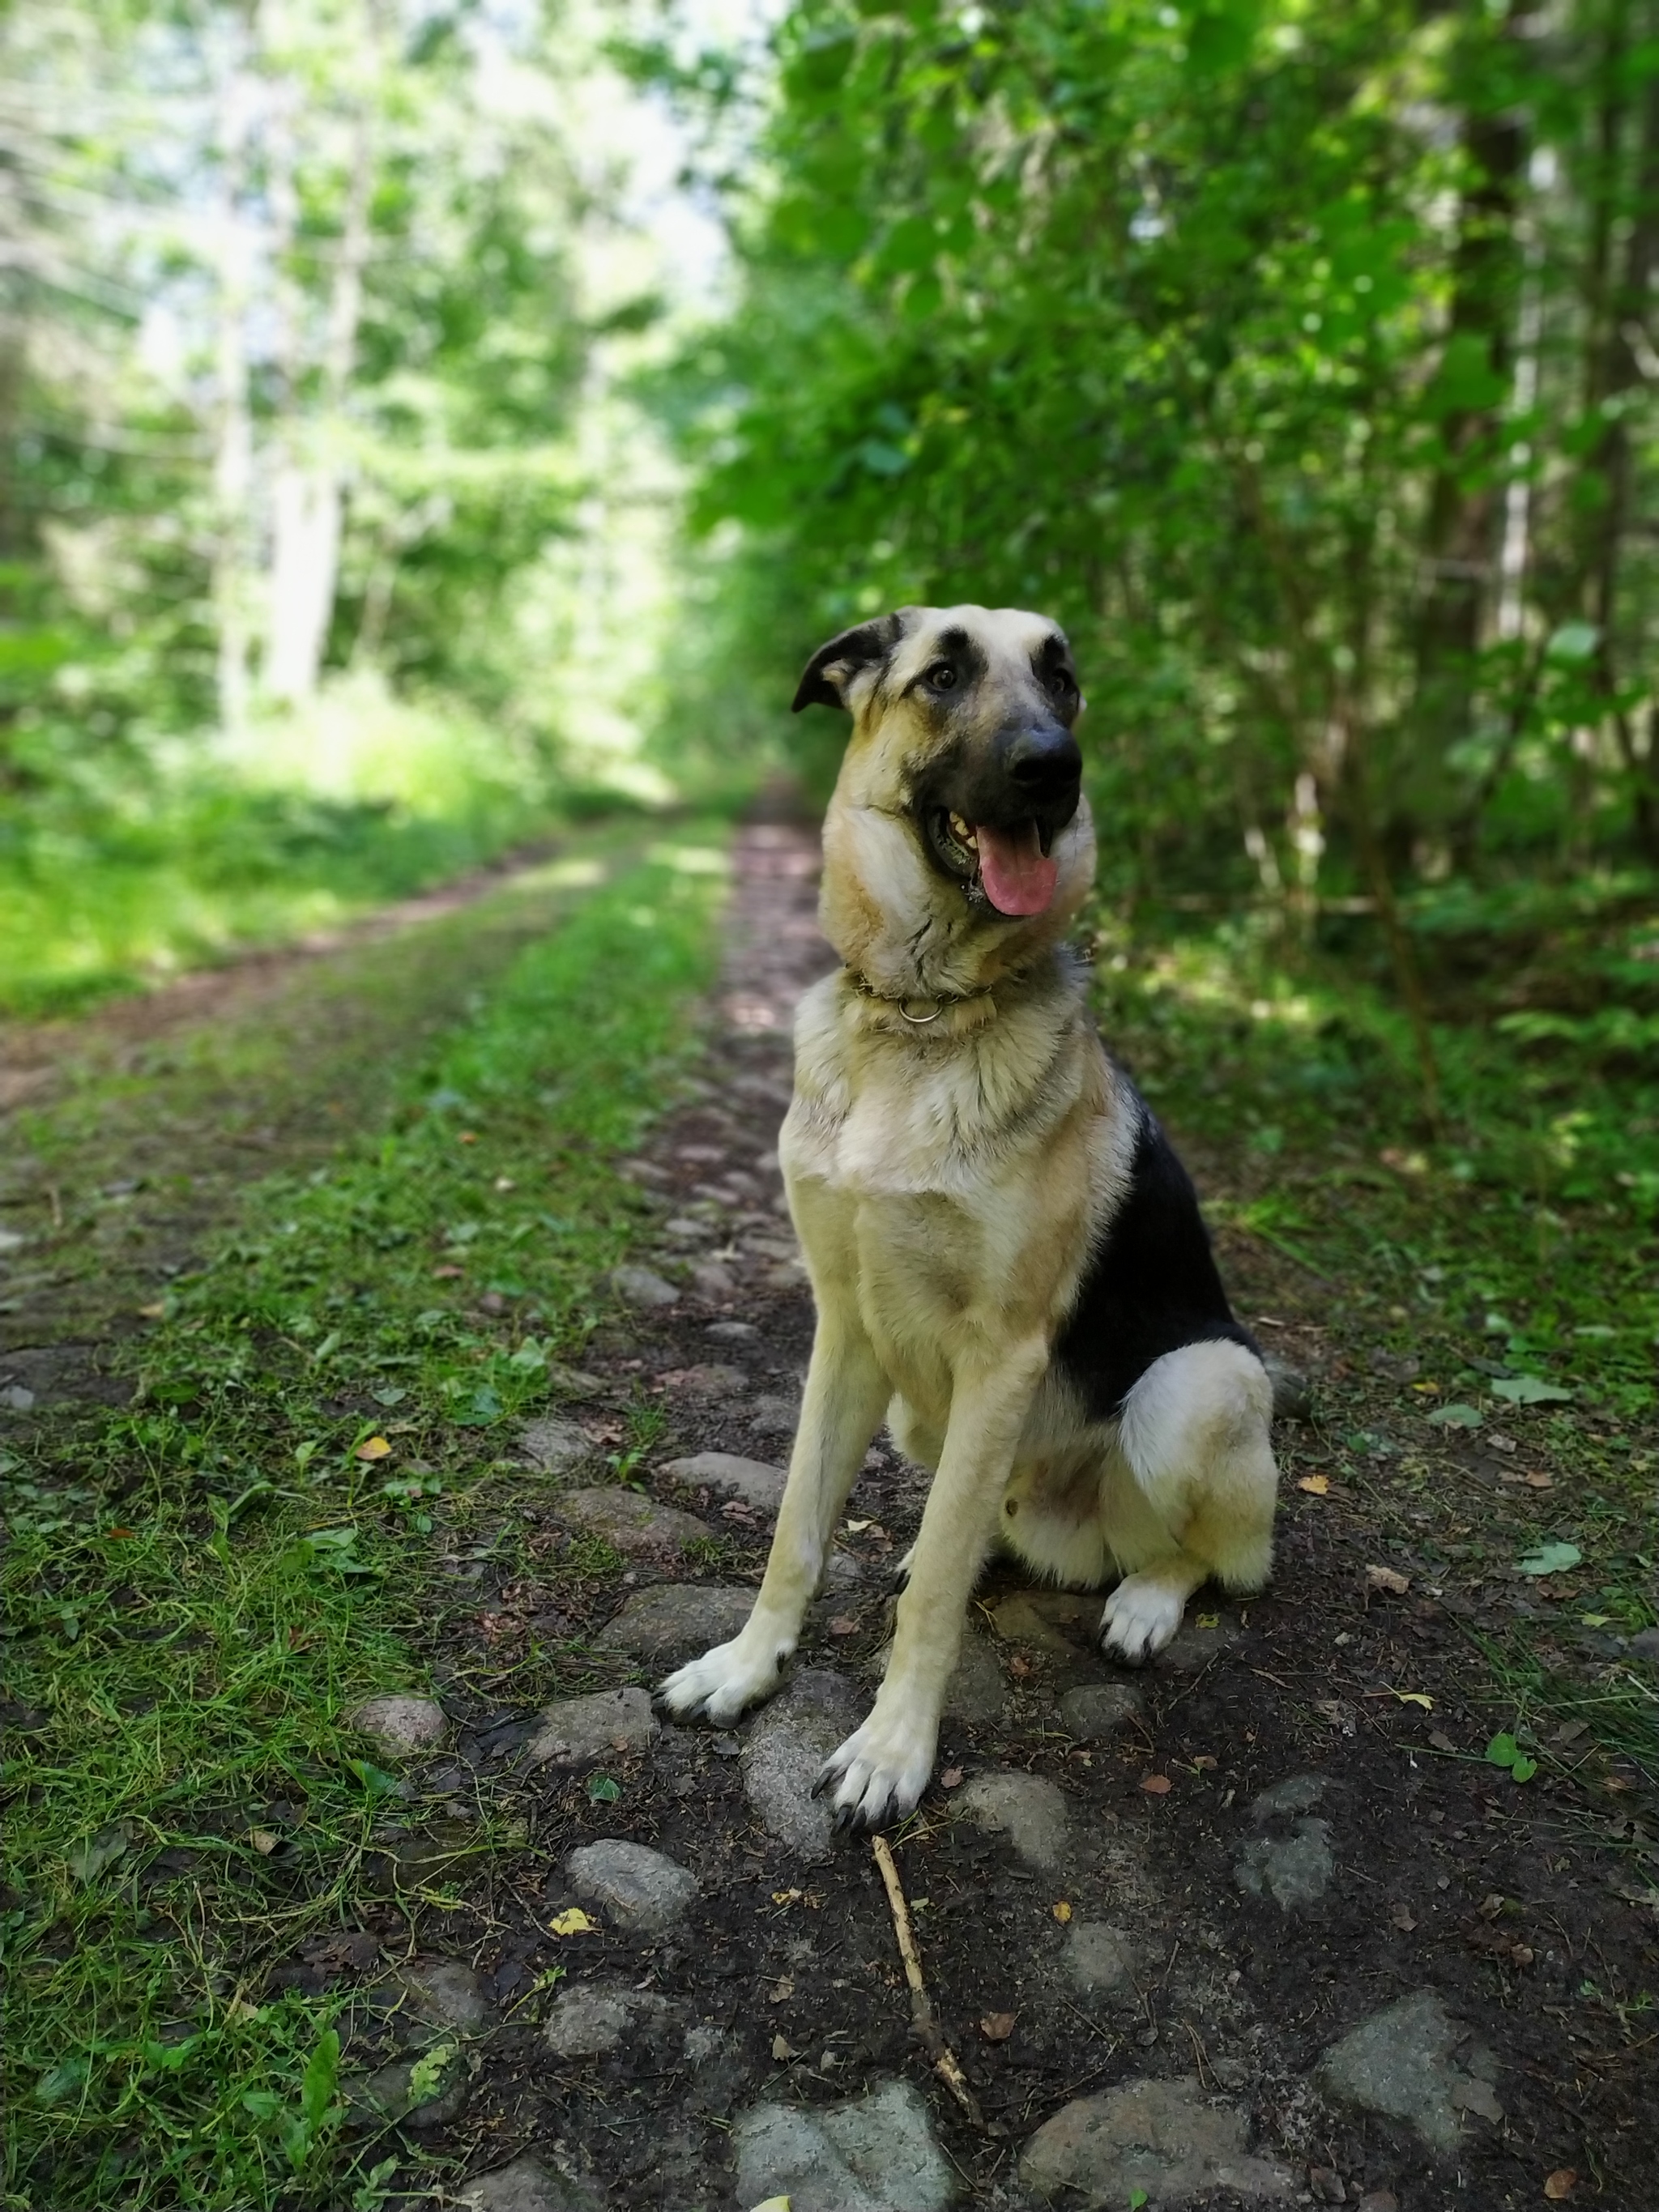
x=1007 y=1257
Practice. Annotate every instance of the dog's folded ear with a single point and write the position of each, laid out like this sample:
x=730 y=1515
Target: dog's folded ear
x=824 y=680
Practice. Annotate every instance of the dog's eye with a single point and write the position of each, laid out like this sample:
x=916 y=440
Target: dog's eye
x=941 y=676
x=1061 y=682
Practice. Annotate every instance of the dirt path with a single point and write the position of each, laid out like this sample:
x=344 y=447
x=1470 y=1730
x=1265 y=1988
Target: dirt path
x=1263 y=1925
x=1260 y=1926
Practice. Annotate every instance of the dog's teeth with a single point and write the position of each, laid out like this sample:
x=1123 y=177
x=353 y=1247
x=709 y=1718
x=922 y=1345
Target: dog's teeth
x=960 y=829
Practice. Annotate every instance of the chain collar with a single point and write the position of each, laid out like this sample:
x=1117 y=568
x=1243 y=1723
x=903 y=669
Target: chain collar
x=937 y=1004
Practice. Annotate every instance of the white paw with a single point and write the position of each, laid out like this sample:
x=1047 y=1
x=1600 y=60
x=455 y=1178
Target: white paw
x=880 y=1771
x=725 y=1681
x=1141 y=1616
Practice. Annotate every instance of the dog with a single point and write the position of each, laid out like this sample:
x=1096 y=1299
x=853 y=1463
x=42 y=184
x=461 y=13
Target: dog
x=1007 y=1256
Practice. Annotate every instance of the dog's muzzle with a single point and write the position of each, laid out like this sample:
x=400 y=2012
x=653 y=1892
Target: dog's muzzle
x=991 y=821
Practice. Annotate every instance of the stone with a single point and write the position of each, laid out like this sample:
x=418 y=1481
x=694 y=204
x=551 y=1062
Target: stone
x=526 y=2186
x=676 y=1621
x=978 y=1689
x=448 y=1992
x=1101 y=1960
x=720 y=2072
x=1402 y=2063
x=1063 y=1622
x=771 y=1415
x=732 y=1332
x=1294 y=1870
x=1156 y=2143
x=573 y=1382
x=786 y=1747
x=1193 y=1648
x=1095 y=1713
x=713 y=1283
x=401 y=1723
x=710 y=1380
x=1292 y=1391
x=875 y=2154
x=643 y=1892
x=1645 y=1644
x=447 y=2083
x=1032 y=1814
x=592 y=2018
x=641 y=1288
x=580 y=1731
x=556 y=1447
x=759 y=1486
x=629 y=1522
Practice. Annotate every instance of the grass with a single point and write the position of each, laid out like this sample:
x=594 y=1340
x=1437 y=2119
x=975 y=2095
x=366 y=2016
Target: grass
x=1509 y=1254
x=204 y=1583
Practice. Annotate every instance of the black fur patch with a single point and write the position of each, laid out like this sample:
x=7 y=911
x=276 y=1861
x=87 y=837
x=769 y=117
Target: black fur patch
x=1152 y=1285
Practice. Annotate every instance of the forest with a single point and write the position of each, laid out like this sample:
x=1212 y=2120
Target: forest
x=433 y=436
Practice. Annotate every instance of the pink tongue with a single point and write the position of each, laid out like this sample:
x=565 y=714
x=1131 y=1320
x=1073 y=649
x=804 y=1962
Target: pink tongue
x=1018 y=875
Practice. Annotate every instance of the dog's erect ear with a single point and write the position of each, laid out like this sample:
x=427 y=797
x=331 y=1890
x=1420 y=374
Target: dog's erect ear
x=827 y=674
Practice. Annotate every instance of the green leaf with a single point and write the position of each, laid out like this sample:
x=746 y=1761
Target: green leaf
x=321 y=2080
x=1550 y=1559
x=376 y=1779
x=99 y=1851
x=1455 y=1416
x=1503 y=1750
x=1530 y=1390
x=602 y=1791
x=1521 y=1769
x=427 y=2076
x=62 y=2081
x=1575 y=641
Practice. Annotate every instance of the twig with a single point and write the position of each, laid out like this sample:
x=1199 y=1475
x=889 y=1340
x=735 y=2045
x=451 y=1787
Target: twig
x=922 y=2020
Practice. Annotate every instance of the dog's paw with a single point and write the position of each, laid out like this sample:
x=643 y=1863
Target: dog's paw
x=878 y=1773
x=1141 y=1616
x=724 y=1683
x=901 y=1576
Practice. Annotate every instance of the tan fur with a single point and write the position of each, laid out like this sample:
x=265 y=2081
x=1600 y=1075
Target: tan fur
x=947 y=1180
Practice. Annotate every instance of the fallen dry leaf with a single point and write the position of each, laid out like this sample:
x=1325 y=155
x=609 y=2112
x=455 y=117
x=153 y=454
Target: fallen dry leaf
x=1560 y=2184
x=1062 y=1911
x=1019 y=1667
x=1416 y=1698
x=1203 y=1761
x=1157 y=1785
x=573 y=1921
x=1387 y=1578
x=1440 y=1740
x=952 y=1778
x=153 y=1312
x=1400 y=1915
x=786 y=1897
x=997 y=2027
x=466 y=1136
x=782 y=2048
x=844 y=1623
x=782 y=1991
x=446 y=1274
x=856 y=1528
x=1316 y=1485
x=263 y=1840
x=373 y=1448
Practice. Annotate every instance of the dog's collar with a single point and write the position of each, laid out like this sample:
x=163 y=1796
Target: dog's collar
x=931 y=1005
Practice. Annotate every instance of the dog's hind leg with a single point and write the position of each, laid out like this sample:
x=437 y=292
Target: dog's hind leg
x=1192 y=1441
x=846 y=1395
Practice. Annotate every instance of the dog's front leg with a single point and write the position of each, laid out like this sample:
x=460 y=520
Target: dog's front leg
x=842 y=1407
x=882 y=1768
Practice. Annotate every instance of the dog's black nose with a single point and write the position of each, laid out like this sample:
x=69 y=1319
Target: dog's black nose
x=1043 y=762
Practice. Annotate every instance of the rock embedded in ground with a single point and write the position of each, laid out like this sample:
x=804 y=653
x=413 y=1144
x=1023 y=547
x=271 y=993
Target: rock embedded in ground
x=786 y=1747
x=676 y=1621
x=528 y=2184
x=1030 y=1813
x=732 y=1332
x=642 y=1288
x=712 y=1282
x=1101 y=1960
x=401 y=1723
x=1645 y=1644
x=629 y=1522
x=642 y=1891
x=759 y=1486
x=448 y=1992
x=592 y=2018
x=582 y=1730
x=1293 y=1866
x=771 y=1415
x=1095 y=1713
x=1155 y=2142
x=877 y=2154
x=1192 y=1647
x=1064 y=1623
x=573 y=1382
x=446 y=2083
x=1413 y=2062
x=556 y=1447
x=978 y=1689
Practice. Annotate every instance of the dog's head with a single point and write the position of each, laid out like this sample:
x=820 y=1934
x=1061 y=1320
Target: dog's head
x=962 y=739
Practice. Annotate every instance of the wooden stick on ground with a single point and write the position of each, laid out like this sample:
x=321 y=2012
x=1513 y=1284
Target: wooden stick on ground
x=921 y=2005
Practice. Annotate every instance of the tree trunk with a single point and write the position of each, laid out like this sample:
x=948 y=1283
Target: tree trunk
x=309 y=491
x=232 y=460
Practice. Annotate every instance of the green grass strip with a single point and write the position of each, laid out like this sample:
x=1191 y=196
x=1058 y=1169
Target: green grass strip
x=202 y=1585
